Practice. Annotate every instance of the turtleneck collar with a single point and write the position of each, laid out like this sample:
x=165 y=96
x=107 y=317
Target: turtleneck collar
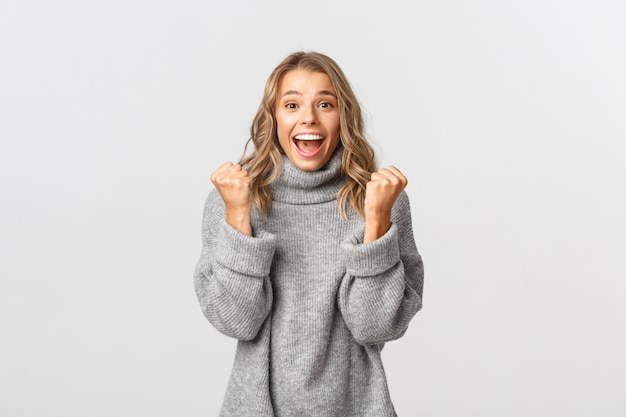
x=294 y=186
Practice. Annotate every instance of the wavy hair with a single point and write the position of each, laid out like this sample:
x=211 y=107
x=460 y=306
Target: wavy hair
x=264 y=161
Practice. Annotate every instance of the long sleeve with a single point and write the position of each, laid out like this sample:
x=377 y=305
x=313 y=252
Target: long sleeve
x=310 y=337
x=382 y=289
x=231 y=278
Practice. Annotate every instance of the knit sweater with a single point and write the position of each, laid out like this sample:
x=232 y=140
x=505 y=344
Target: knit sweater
x=310 y=304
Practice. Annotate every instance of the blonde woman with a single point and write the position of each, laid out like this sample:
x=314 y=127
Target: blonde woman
x=308 y=256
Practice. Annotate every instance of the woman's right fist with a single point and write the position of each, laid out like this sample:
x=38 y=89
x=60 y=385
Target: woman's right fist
x=233 y=183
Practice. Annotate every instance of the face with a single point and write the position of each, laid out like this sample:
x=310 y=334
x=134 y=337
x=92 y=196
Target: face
x=307 y=117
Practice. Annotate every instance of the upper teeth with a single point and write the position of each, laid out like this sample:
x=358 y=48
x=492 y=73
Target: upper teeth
x=309 y=137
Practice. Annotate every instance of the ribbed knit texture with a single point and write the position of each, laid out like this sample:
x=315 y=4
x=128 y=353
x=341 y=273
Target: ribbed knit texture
x=310 y=304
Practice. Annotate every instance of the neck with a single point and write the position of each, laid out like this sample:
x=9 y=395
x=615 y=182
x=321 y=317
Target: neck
x=295 y=186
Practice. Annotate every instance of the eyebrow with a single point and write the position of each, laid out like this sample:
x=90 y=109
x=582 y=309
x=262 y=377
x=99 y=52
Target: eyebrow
x=319 y=93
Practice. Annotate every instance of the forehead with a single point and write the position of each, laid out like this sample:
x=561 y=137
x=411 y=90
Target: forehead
x=305 y=81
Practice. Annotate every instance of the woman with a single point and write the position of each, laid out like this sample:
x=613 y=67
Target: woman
x=308 y=254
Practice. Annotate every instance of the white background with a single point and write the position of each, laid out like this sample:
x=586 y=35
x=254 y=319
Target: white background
x=507 y=117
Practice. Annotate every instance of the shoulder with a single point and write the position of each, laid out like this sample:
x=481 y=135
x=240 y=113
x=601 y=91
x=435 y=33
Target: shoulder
x=213 y=207
x=402 y=202
x=401 y=212
x=213 y=199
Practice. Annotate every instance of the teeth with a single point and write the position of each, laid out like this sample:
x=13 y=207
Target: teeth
x=309 y=137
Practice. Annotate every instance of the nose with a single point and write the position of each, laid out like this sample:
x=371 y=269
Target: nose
x=308 y=115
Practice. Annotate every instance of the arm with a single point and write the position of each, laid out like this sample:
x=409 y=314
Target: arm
x=231 y=278
x=382 y=289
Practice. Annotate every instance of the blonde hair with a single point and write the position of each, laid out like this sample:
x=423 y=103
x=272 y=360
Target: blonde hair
x=264 y=162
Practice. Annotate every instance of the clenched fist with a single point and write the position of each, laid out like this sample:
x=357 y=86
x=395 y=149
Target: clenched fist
x=381 y=193
x=233 y=183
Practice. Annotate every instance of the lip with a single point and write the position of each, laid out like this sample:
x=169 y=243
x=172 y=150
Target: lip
x=313 y=153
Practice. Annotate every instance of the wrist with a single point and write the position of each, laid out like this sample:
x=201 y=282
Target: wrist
x=240 y=221
x=375 y=228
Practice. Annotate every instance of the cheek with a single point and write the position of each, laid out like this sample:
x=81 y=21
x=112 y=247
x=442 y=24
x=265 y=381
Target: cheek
x=335 y=125
x=282 y=132
x=283 y=124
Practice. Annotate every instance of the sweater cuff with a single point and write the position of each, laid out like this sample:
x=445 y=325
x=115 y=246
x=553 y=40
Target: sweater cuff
x=246 y=254
x=373 y=258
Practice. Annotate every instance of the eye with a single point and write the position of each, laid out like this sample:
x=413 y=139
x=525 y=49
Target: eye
x=291 y=105
x=326 y=105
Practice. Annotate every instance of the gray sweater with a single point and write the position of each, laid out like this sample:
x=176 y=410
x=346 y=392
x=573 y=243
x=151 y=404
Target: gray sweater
x=310 y=304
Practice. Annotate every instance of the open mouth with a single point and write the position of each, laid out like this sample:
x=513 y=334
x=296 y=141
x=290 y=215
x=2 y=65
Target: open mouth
x=308 y=143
